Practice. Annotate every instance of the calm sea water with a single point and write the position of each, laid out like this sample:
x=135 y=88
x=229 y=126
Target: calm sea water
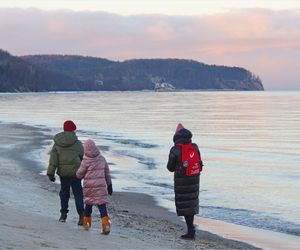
x=249 y=141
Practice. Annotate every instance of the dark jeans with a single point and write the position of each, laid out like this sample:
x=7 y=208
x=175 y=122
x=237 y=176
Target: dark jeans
x=65 y=184
x=89 y=209
x=189 y=220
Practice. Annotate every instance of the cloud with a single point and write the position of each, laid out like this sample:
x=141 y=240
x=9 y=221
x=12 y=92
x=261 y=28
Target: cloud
x=261 y=40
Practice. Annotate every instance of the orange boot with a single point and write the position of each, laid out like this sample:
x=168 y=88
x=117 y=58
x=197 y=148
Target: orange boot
x=87 y=222
x=105 y=225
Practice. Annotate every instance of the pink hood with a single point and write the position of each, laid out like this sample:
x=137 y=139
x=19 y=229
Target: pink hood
x=90 y=149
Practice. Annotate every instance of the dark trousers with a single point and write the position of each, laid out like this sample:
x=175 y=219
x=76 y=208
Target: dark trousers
x=189 y=220
x=89 y=209
x=65 y=184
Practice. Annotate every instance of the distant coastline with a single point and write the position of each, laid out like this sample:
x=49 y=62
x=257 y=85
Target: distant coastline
x=44 y=73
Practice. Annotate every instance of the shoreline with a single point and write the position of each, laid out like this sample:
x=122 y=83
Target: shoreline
x=31 y=203
x=257 y=237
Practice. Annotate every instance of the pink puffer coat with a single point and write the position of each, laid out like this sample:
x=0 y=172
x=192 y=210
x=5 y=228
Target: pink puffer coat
x=95 y=171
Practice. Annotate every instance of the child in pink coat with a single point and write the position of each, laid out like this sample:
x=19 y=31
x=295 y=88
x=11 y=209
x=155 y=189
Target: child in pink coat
x=96 y=184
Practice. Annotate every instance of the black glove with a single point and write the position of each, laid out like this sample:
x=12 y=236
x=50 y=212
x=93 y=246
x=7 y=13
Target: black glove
x=109 y=189
x=51 y=178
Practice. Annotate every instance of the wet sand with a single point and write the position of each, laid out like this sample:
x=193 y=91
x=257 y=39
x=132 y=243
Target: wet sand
x=258 y=237
x=29 y=205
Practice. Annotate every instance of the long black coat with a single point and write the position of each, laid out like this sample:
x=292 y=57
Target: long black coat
x=186 y=187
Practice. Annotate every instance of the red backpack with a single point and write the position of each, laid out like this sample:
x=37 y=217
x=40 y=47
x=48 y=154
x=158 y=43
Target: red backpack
x=191 y=160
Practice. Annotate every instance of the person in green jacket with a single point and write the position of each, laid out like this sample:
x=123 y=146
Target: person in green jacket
x=65 y=159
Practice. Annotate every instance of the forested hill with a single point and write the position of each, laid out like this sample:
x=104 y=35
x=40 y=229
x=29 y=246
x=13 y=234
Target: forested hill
x=142 y=74
x=66 y=73
x=17 y=75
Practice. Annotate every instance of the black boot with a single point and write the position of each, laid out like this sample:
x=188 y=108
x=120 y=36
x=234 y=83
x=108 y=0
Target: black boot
x=190 y=235
x=80 y=220
x=63 y=217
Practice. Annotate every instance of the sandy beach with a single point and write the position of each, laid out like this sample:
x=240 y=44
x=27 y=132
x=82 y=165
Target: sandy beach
x=30 y=208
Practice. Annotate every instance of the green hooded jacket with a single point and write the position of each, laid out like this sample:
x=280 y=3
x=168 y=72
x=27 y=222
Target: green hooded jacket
x=66 y=155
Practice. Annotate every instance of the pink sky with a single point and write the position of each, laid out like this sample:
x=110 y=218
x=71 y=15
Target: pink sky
x=267 y=42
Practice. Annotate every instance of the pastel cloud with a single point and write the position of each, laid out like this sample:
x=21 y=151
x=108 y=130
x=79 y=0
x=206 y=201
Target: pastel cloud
x=264 y=41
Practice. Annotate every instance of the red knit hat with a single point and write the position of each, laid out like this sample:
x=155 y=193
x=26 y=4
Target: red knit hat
x=179 y=127
x=69 y=126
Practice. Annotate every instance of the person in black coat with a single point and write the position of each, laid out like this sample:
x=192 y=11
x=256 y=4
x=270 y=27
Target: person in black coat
x=186 y=188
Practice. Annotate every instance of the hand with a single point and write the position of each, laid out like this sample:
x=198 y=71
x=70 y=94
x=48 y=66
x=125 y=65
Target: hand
x=51 y=178
x=110 y=189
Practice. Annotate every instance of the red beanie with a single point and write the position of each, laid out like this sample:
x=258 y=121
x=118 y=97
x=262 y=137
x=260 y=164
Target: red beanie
x=69 y=126
x=179 y=127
